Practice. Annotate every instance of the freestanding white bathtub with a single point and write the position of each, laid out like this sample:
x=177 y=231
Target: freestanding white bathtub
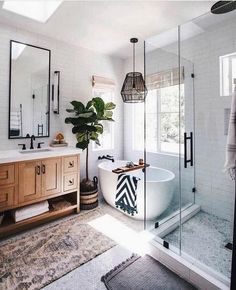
x=159 y=188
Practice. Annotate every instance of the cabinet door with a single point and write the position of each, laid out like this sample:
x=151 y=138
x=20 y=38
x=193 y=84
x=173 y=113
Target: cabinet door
x=29 y=181
x=7 y=195
x=51 y=176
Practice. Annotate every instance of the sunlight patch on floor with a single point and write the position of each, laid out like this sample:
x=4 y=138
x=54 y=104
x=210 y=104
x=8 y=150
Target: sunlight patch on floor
x=122 y=234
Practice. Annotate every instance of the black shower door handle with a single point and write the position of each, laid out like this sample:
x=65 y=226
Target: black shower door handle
x=186 y=160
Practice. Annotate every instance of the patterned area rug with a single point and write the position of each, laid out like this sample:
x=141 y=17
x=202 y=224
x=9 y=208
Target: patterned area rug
x=40 y=257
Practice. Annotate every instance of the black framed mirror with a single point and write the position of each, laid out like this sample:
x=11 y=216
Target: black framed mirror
x=29 y=91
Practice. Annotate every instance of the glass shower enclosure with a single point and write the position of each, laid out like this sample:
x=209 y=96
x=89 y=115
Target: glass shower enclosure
x=190 y=72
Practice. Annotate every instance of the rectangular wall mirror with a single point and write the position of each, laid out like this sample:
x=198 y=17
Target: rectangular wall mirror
x=29 y=91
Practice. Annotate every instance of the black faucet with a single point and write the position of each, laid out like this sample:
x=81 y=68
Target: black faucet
x=108 y=157
x=23 y=146
x=32 y=138
x=39 y=145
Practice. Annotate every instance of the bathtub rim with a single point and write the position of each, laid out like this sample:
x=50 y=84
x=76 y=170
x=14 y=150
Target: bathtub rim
x=172 y=175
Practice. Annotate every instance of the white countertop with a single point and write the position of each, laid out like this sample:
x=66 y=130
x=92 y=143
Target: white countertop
x=8 y=156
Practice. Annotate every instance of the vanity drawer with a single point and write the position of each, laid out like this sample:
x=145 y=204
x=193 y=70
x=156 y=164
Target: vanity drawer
x=6 y=197
x=7 y=174
x=70 y=164
x=70 y=181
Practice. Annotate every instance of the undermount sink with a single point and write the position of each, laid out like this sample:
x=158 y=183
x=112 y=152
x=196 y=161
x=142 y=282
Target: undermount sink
x=35 y=151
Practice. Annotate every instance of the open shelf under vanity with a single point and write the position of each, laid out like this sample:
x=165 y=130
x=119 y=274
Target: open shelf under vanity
x=9 y=226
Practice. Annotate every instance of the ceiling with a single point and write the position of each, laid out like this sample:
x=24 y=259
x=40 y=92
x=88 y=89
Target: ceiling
x=107 y=26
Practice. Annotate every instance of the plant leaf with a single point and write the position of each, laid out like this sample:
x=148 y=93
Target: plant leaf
x=99 y=105
x=89 y=105
x=83 y=129
x=93 y=136
x=110 y=106
x=78 y=106
x=76 y=121
x=81 y=137
x=68 y=120
x=106 y=119
x=82 y=145
x=99 y=128
x=70 y=110
x=87 y=114
x=108 y=114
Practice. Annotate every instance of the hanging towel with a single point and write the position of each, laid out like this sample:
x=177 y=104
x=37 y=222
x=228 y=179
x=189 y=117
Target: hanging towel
x=126 y=196
x=231 y=139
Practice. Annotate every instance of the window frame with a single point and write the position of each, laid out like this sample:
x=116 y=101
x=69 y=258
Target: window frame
x=230 y=56
x=159 y=149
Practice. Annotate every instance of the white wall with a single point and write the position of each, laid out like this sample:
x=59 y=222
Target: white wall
x=77 y=65
x=215 y=190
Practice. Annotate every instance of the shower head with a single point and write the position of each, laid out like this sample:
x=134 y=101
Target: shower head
x=222 y=7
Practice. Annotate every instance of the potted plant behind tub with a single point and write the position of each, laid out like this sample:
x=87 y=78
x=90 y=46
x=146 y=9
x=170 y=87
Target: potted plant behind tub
x=87 y=126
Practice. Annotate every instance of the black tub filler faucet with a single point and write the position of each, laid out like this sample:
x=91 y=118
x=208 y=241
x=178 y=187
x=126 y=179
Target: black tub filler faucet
x=108 y=157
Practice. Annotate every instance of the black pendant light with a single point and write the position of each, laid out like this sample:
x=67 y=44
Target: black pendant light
x=222 y=7
x=133 y=89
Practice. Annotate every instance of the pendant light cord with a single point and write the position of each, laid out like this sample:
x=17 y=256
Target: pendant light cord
x=133 y=57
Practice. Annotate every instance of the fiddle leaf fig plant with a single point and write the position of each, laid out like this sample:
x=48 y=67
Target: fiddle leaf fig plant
x=87 y=126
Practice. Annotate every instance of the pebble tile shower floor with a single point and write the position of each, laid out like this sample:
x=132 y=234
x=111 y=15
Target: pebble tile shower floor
x=204 y=237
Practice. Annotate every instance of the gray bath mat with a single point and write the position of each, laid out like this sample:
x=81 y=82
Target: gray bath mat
x=143 y=273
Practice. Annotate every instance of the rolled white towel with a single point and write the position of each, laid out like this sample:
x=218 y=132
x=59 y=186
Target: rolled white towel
x=30 y=211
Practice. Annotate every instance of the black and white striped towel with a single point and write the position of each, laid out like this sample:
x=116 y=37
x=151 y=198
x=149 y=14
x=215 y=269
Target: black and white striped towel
x=126 y=196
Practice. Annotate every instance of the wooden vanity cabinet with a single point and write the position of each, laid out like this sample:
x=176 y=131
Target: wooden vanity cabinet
x=27 y=182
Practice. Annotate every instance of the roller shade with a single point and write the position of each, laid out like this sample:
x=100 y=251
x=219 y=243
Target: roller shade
x=165 y=78
x=102 y=82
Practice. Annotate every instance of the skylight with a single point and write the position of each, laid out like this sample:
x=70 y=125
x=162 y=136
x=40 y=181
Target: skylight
x=37 y=10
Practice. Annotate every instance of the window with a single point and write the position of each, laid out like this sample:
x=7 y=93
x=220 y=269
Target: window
x=37 y=10
x=107 y=138
x=227 y=74
x=163 y=121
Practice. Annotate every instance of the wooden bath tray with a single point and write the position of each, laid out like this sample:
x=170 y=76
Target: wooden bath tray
x=127 y=169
